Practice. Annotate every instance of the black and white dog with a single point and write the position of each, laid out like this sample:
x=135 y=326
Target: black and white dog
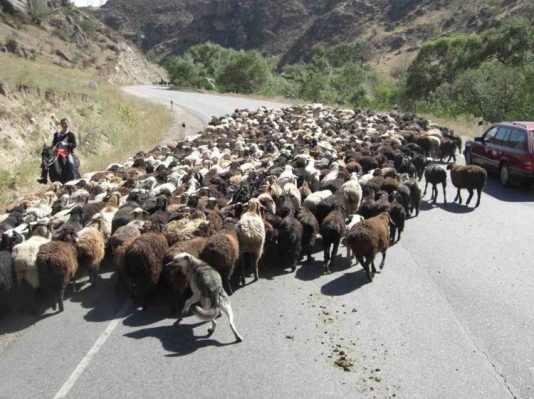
x=206 y=284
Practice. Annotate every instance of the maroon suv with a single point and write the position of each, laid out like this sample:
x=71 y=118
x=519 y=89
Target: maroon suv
x=506 y=148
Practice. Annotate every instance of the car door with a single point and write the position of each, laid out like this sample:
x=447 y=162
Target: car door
x=495 y=149
x=478 y=148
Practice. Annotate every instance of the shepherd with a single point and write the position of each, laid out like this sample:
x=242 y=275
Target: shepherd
x=62 y=148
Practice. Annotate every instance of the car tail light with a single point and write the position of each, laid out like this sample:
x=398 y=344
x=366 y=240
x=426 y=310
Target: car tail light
x=528 y=164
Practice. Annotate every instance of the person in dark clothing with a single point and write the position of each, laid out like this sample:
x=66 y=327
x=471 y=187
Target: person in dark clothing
x=66 y=140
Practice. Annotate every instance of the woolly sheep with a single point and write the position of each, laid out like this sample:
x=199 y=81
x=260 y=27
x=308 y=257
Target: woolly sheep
x=143 y=264
x=353 y=192
x=57 y=262
x=368 y=238
x=25 y=256
x=434 y=174
x=251 y=235
x=470 y=177
x=332 y=230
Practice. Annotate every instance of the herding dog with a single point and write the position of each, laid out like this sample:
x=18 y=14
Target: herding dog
x=206 y=284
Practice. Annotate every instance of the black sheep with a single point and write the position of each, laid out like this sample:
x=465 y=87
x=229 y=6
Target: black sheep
x=290 y=233
x=434 y=174
x=332 y=230
x=310 y=228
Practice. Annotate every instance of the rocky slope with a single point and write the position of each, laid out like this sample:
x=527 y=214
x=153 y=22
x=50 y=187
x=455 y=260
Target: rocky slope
x=56 y=61
x=52 y=31
x=295 y=29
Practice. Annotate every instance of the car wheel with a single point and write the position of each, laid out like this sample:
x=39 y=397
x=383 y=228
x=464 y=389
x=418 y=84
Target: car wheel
x=468 y=160
x=504 y=173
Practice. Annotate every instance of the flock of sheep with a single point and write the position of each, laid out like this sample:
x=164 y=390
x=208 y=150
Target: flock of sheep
x=256 y=188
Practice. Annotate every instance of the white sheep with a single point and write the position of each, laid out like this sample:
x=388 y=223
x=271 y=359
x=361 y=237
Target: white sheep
x=287 y=176
x=353 y=220
x=251 y=236
x=353 y=193
x=25 y=255
x=313 y=199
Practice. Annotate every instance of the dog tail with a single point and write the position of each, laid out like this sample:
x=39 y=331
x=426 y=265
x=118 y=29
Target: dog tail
x=211 y=313
x=206 y=315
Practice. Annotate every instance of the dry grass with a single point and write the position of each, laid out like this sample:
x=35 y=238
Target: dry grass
x=465 y=126
x=110 y=125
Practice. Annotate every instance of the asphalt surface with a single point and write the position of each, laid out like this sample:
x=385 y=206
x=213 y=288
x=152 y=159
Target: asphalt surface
x=450 y=316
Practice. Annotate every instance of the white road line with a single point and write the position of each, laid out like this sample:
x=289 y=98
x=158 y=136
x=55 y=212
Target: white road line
x=65 y=389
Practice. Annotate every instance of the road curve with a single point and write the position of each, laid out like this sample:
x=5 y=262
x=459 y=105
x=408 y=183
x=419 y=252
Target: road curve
x=203 y=106
x=450 y=316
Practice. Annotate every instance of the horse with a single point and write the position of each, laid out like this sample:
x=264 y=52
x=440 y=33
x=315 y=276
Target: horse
x=54 y=160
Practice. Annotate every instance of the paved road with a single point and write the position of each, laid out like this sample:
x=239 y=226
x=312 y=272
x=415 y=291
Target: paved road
x=450 y=316
x=201 y=105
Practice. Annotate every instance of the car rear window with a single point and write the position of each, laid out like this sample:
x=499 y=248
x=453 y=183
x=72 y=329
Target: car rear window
x=517 y=140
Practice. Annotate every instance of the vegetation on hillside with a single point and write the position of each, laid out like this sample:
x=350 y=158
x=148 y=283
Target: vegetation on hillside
x=490 y=75
x=110 y=125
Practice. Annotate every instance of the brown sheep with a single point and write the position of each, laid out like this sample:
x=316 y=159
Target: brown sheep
x=91 y=248
x=471 y=177
x=222 y=253
x=57 y=262
x=368 y=238
x=118 y=259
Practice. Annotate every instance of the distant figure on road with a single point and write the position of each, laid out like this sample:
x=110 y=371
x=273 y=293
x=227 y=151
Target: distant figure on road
x=63 y=145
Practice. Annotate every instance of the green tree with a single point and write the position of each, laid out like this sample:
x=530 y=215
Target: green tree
x=512 y=44
x=211 y=57
x=492 y=91
x=184 y=72
x=357 y=52
x=440 y=62
x=246 y=72
x=349 y=84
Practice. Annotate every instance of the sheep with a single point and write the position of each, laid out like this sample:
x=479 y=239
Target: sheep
x=175 y=278
x=310 y=229
x=335 y=202
x=57 y=262
x=434 y=174
x=143 y=263
x=353 y=219
x=315 y=198
x=290 y=234
x=108 y=213
x=287 y=176
x=132 y=229
x=124 y=215
x=353 y=192
x=267 y=202
x=221 y=251
x=292 y=190
x=119 y=260
x=251 y=236
x=368 y=238
x=398 y=218
x=91 y=248
x=304 y=190
x=415 y=196
x=6 y=267
x=184 y=229
x=447 y=149
x=332 y=230
x=25 y=256
x=470 y=177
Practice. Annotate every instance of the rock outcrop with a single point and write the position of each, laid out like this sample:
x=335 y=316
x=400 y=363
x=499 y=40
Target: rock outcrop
x=296 y=29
